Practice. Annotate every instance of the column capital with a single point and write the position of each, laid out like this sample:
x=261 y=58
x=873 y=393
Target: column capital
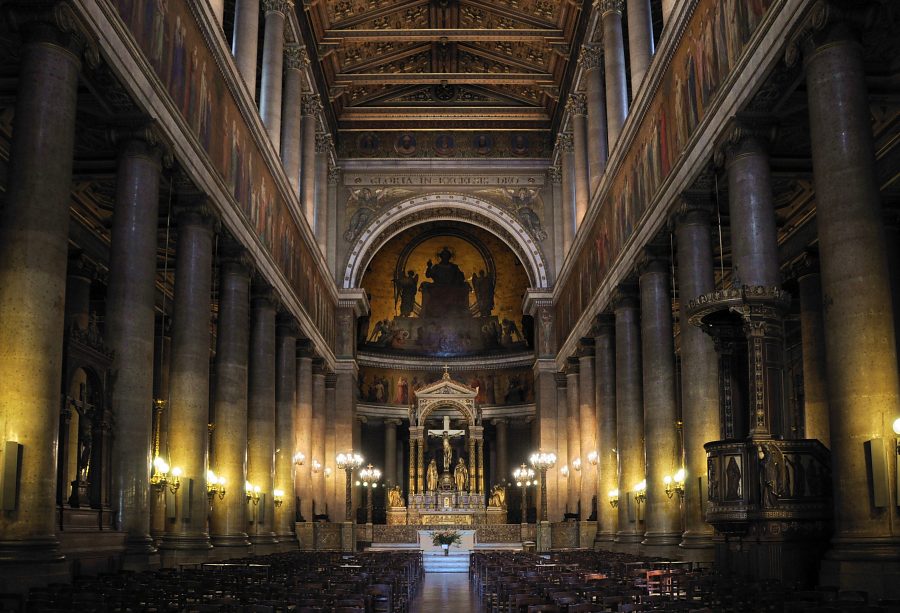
x=318 y=366
x=55 y=22
x=806 y=265
x=233 y=254
x=625 y=296
x=286 y=323
x=277 y=6
x=605 y=324
x=310 y=105
x=198 y=211
x=591 y=56
x=654 y=258
x=393 y=421
x=743 y=137
x=305 y=350
x=565 y=142
x=693 y=208
x=554 y=175
x=500 y=421
x=831 y=21
x=295 y=57
x=324 y=142
x=142 y=138
x=609 y=6
x=577 y=105
x=81 y=266
x=585 y=347
x=262 y=295
x=334 y=174
x=572 y=364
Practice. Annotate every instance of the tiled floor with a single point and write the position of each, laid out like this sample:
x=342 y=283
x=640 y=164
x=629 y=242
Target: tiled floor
x=446 y=593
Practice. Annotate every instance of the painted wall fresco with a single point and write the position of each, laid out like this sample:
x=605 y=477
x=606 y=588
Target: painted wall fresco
x=170 y=37
x=709 y=49
x=445 y=290
x=398 y=387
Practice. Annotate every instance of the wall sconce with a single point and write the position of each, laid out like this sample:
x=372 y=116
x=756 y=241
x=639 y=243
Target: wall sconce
x=675 y=484
x=162 y=476
x=613 y=497
x=640 y=492
x=299 y=458
x=328 y=471
x=252 y=492
x=564 y=471
x=278 y=498
x=316 y=466
x=214 y=485
x=576 y=463
x=593 y=458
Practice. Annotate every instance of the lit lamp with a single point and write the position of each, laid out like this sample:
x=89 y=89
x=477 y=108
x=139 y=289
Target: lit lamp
x=675 y=484
x=316 y=466
x=576 y=464
x=613 y=497
x=640 y=492
x=161 y=477
x=299 y=458
x=524 y=477
x=214 y=486
x=278 y=498
x=564 y=471
x=252 y=492
x=543 y=461
x=593 y=458
x=348 y=462
x=328 y=471
x=369 y=477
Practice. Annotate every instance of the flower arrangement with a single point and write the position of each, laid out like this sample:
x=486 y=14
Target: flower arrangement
x=446 y=537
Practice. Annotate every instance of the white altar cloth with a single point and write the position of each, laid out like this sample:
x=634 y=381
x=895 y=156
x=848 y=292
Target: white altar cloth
x=467 y=544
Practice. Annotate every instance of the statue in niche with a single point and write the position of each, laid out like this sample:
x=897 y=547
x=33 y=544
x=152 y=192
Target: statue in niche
x=712 y=492
x=498 y=497
x=484 y=284
x=405 y=289
x=395 y=497
x=460 y=475
x=771 y=463
x=732 y=480
x=431 y=476
x=85 y=445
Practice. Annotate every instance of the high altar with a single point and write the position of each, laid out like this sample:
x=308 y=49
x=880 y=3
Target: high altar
x=448 y=491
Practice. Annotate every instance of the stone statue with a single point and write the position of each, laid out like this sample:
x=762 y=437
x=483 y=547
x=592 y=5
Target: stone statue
x=448 y=454
x=498 y=497
x=461 y=475
x=405 y=289
x=395 y=497
x=431 y=477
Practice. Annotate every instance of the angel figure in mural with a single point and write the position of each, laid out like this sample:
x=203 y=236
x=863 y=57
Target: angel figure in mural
x=357 y=223
x=484 y=285
x=460 y=475
x=431 y=476
x=405 y=289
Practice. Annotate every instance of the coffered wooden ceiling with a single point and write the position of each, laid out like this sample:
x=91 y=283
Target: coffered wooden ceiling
x=444 y=64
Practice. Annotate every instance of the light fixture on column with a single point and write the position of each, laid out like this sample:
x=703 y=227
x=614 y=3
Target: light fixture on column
x=564 y=471
x=215 y=485
x=640 y=492
x=542 y=462
x=278 y=498
x=675 y=484
x=299 y=458
x=613 y=497
x=316 y=466
x=252 y=492
x=524 y=477
x=576 y=464
x=162 y=476
x=369 y=477
x=348 y=462
x=593 y=458
x=327 y=472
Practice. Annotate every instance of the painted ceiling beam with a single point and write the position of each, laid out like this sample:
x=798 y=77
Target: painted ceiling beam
x=336 y=37
x=450 y=78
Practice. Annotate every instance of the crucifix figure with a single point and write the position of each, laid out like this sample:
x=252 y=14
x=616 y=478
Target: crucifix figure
x=446 y=434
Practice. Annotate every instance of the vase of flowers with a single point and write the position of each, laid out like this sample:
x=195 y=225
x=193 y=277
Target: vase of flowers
x=445 y=538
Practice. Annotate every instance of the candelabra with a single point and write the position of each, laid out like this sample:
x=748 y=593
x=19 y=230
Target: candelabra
x=278 y=498
x=163 y=477
x=543 y=461
x=369 y=477
x=252 y=492
x=675 y=484
x=348 y=462
x=214 y=486
x=524 y=477
x=640 y=492
x=613 y=497
x=299 y=458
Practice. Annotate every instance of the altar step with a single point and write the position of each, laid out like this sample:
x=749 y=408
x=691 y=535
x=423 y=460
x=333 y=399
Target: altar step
x=456 y=562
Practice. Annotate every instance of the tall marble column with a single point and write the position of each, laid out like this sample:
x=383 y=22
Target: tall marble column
x=310 y=108
x=559 y=192
x=629 y=412
x=391 y=477
x=334 y=485
x=577 y=108
x=317 y=445
x=186 y=539
x=245 y=43
x=699 y=365
x=663 y=525
x=614 y=60
x=860 y=350
x=605 y=386
x=503 y=475
x=130 y=322
x=272 y=67
x=323 y=154
x=228 y=518
x=597 y=141
x=569 y=191
x=303 y=437
x=573 y=434
x=812 y=335
x=640 y=41
x=587 y=418
x=291 y=120
x=285 y=427
x=33 y=255
x=261 y=417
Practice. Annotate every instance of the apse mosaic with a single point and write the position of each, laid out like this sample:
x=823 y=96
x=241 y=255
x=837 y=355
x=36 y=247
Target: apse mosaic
x=445 y=290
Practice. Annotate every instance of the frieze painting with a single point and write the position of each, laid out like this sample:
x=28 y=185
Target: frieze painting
x=170 y=37
x=445 y=290
x=512 y=386
x=710 y=48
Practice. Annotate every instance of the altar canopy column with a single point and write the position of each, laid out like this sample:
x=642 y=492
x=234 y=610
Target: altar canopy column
x=245 y=44
x=812 y=334
x=186 y=539
x=272 y=67
x=640 y=41
x=33 y=256
x=473 y=466
x=261 y=417
x=228 y=520
x=614 y=60
x=573 y=434
x=597 y=141
x=566 y=149
x=291 y=119
x=699 y=364
x=311 y=106
x=861 y=354
x=503 y=475
x=587 y=417
x=285 y=427
x=480 y=444
x=577 y=108
x=390 y=453
x=303 y=434
x=317 y=442
x=629 y=412
x=605 y=374
x=658 y=352
x=129 y=334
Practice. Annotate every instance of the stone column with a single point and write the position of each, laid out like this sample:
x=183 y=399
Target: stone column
x=699 y=366
x=605 y=386
x=186 y=539
x=567 y=166
x=272 y=67
x=162 y=356
x=130 y=322
x=503 y=474
x=261 y=417
x=391 y=476
x=573 y=434
x=334 y=485
x=285 y=428
x=323 y=150
x=228 y=519
x=577 y=109
x=245 y=44
x=33 y=256
x=614 y=61
x=332 y=218
x=317 y=444
x=629 y=412
x=812 y=334
x=291 y=153
x=554 y=180
x=310 y=108
x=473 y=466
x=640 y=41
x=303 y=417
x=480 y=443
x=663 y=526
x=587 y=418
x=597 y=140
x=861 y=355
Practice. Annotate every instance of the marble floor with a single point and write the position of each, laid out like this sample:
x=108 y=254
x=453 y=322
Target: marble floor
x=446 y=593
